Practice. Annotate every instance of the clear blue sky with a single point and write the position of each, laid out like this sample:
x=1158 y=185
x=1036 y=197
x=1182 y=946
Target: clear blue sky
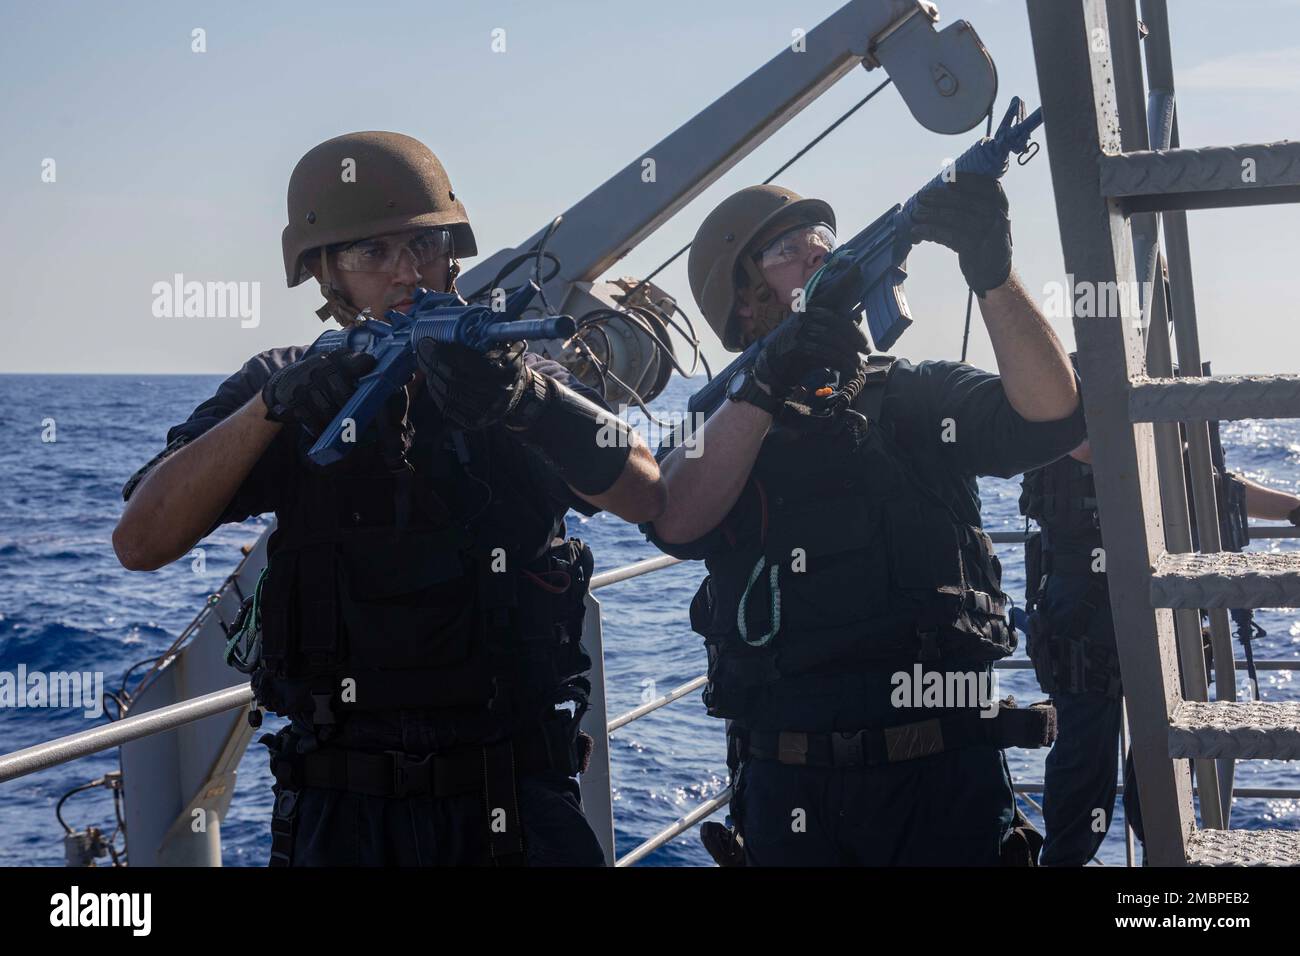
x=170 y=161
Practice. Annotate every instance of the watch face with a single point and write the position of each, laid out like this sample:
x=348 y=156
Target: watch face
x=737 y=383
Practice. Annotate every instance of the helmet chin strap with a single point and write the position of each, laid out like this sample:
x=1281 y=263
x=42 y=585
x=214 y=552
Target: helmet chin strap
x=767 y=311
x=336 y=306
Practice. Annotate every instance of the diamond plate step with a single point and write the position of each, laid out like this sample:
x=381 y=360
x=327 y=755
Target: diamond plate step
x=1244 y=848
x=1244 y=730
x=1214 y=398
x=1226 y=580
x=1207 y=167
x=1205 y=177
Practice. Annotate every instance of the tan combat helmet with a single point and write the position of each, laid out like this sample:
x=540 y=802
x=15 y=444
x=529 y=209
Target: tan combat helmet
x=722 y=244
x=361 y=185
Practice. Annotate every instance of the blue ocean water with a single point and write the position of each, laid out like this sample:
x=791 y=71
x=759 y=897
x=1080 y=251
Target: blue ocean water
x=65 y=603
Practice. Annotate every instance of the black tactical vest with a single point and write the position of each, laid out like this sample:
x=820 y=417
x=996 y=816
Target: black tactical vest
x=1230 y=499
x=861 y=569
x=439 y=589
x=1062 y=498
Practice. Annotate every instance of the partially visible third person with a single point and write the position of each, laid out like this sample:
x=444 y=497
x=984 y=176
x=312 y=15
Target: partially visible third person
x=1072 y=640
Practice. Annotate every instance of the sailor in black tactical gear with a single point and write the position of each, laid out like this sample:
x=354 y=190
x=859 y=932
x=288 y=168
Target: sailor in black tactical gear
x=421 y=612
x=853 y=606
x=1071 y=638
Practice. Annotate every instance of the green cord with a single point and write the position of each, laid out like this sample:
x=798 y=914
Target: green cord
x=775 y=588
x=252 y=624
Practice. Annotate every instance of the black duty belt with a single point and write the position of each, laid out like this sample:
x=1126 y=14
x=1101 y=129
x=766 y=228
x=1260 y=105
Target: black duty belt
x=1071 y=562
x=392 y=774
x=1028 y=727
x=487 y=769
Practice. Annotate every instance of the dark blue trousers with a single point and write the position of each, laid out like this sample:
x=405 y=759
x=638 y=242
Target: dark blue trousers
x=949 y=809
x=342 y=828
x=1080 y=776
x=1079 y=781
x=338 y=828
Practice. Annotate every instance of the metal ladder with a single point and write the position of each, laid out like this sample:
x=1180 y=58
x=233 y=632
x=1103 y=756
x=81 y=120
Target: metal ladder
x=1116 y=164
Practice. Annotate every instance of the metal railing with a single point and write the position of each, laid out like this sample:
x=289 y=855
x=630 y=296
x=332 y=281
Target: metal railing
x=606 y=578
x=701 y=813
x=649 y=707
x=87 y=742
x=1257 y=533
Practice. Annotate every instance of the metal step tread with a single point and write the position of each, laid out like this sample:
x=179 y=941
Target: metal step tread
x=1245 y=730
x=1147 y=172
x=1244 y=848
x=1248 y=579
x=1214 y=398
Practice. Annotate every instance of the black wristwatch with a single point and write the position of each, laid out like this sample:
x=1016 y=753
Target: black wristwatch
x=743 y=387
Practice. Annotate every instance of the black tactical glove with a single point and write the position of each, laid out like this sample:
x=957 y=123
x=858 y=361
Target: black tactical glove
x=473 y=389
x=969 y=216
x=310 y=391
x=725 y=845
x=1293 y=516
x=816 y=338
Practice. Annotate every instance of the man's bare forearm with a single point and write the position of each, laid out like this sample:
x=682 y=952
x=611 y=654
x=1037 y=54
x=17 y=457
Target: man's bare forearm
x=704 y=481
x=1034 y=366
x=1268 y=503
x=180 y=498
x=639 y=493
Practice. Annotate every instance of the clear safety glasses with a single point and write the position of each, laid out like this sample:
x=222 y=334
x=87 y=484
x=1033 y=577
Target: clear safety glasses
x=794 y=244
x=384 y=253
